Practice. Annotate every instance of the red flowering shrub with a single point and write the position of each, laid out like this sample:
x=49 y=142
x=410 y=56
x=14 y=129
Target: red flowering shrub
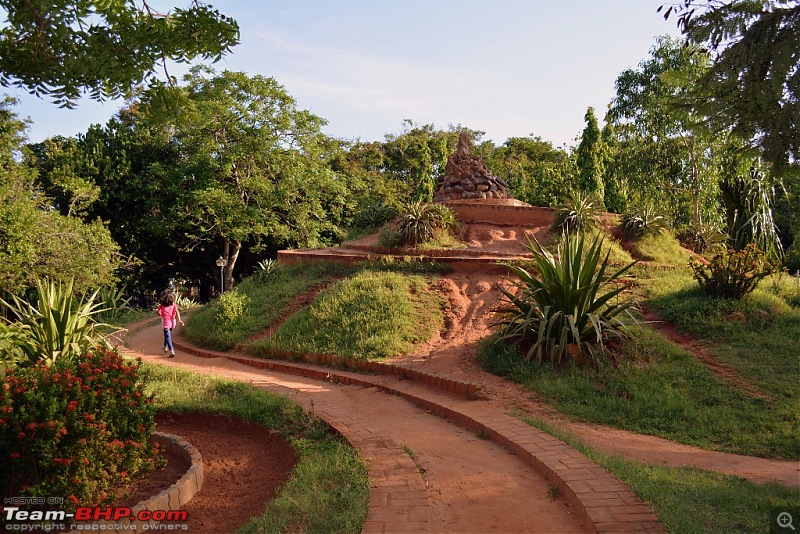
x=75 y=430
x=733 y=273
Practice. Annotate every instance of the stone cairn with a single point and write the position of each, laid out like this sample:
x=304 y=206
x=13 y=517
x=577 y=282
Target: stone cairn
x=467 y=178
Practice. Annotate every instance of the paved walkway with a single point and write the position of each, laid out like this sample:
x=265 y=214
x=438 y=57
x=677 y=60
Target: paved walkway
x=499 y=484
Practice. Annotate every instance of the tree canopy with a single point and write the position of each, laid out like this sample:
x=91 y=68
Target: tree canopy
x=64 y=49
x=753 y=85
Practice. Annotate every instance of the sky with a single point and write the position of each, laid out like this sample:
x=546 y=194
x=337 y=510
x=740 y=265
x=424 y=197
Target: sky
x=510 y=68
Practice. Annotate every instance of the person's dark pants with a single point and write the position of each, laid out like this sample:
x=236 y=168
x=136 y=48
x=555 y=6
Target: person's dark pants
x=168 y=339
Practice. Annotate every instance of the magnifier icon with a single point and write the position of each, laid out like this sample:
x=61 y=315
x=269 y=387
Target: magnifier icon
x=785 y=520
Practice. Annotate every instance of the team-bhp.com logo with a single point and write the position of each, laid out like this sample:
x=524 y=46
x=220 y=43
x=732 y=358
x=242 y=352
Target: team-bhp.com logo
x=87 y=518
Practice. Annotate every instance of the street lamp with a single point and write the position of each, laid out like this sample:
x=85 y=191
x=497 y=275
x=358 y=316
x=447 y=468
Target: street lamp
x=221 y=263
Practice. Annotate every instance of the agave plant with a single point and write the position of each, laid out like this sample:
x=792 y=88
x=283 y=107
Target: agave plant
x=422 y=220
x=113 y=301
x=61 y=325
x=579 y=212
x=563 y=311
x=643 y=221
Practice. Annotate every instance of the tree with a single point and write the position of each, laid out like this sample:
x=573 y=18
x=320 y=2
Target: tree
x=254 y=167
x=663 y=150
x=66 y=48
x=36 y=241
x=590 y=159
x=753 y=85
x=535 y=171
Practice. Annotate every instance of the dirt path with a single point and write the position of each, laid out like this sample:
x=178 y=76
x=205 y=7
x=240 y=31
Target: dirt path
x=472 y=484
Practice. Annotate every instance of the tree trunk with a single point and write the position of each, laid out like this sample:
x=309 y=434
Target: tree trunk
x=231 y=253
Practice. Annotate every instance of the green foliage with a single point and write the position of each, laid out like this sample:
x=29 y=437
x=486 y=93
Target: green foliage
x=60 y=325
x=641 y=222
x=579 y=212
x=535 y=171
x=12 y=339
x=748 y=205
x=372 y=315
x=661 y=248
x=255 y=166
x=662 y=153
x=374 y=215
x=36 y=241
x=751 y=88
x=75 y=431
x=264 y=301
x=185 y=303
x=113 y=303
x=564 y=305
x=266 y=269
x=422 y=221
x=231 y=307
x=589 y=158
x=65 y=49
x=702 y=237
x=732 y=274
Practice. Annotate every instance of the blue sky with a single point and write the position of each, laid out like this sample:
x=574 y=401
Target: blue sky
x=507 y=67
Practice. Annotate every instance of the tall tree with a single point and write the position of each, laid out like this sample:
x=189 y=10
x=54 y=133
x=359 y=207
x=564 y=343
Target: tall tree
x=255 y=166
x=589 y=158
x=35 y=239
x=66 y=48
x=664 y=152
x=753 y=85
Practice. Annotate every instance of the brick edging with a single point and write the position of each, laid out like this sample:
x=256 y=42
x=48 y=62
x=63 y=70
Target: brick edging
x=179 y=493
x=288 y=359
x=603 y=501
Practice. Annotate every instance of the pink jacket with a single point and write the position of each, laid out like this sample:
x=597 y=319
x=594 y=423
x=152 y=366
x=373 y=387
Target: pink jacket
x=168 y=315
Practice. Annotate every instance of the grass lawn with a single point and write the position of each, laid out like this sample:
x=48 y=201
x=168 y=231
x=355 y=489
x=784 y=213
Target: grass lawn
x=657 y=388
x=692 y=500
x=372 y=315
x=253 y=305
x=329 y=488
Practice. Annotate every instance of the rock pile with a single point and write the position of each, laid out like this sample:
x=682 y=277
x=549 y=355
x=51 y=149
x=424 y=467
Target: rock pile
x=466 y=177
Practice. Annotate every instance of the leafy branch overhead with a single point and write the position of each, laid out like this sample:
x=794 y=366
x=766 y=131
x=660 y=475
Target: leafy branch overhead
x=66 y=49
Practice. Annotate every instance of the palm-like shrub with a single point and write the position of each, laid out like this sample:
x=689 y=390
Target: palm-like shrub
x=579 y=212
x=113 y=302
x=374 y=215
x=748 y=207
x=562 y=311
x=702 y=237
x=421 y=222
x=61 y=325
x=641 y=222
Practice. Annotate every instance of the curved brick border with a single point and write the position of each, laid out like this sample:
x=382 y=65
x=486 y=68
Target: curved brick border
x=179 y=493
x=605 y=503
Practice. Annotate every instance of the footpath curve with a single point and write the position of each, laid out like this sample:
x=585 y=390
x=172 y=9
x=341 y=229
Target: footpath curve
x=526 y=463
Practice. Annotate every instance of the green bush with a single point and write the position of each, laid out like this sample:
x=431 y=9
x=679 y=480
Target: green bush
x=732 y=274
x=578 y=213
x=231 y=306
x=563 y=306
x=76 y=430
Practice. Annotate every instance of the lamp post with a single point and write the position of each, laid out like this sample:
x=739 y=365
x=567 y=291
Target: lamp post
x=221 y=263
